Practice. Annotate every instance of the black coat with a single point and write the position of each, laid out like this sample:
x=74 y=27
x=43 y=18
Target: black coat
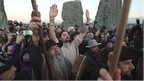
x=91 y=70
x=82 y=48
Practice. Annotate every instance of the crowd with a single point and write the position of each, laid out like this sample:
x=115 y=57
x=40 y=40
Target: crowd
x=29 y=54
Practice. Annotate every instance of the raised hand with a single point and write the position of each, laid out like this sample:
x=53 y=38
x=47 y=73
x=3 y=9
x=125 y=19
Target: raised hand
x=19 y=38
x=53 y=11
x=35 y=23
x=87 y=15
x=104 y=75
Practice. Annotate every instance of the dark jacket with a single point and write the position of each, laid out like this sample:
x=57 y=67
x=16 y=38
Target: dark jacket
x=91 y=71
x=36 y=60
x=16 y=53
x=82 y=48
x=12 y=61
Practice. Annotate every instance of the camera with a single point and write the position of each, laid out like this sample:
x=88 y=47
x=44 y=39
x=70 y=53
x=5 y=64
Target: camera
x=27 y=32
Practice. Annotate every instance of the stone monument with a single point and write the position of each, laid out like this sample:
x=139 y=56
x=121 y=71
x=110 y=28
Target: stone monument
x=108 y=14
x=3 y=17
x=72 y=14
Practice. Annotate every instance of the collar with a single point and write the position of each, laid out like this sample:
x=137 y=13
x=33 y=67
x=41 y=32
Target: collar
x=92 y=55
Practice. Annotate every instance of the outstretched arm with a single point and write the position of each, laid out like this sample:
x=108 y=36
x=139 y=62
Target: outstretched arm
x=87 y=17
x=52 y=14
x=84 y=30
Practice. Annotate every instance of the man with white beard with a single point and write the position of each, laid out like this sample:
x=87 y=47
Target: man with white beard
x=60 y=67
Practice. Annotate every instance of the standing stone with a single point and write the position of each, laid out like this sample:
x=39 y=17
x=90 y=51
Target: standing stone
x=72 y=14
x=108 y=14
x=3 y=17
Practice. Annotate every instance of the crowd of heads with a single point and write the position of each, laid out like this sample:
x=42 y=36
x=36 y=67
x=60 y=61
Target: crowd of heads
x=98 y=42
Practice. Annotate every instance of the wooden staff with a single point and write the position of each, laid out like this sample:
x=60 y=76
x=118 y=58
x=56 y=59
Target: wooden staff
x=37 y=14
x=120 y=35
x=34 y=6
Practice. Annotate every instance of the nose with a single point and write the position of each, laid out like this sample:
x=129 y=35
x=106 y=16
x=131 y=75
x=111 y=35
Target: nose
x=68 y=36
x=132 y=66
x=97 y=48
x=57 y=50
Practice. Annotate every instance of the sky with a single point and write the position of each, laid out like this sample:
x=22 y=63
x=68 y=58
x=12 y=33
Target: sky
x=20 y=10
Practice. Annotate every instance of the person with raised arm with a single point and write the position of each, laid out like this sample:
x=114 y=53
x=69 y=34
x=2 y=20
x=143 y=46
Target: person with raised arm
x=70 y=47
